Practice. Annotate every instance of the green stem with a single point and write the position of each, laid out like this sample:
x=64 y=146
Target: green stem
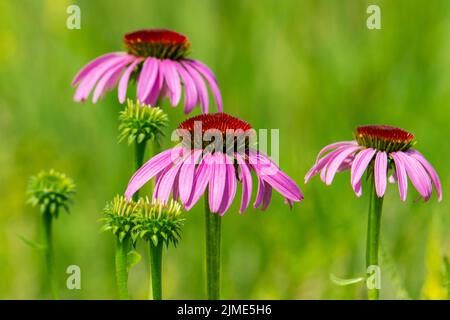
x=49 y=257
x=212 y=229
x=373 y=237
x=139 y=153
x=121 y=268
x=155 y=253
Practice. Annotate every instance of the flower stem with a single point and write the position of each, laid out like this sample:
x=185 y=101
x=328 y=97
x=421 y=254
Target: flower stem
x=212 y=229
x=373 y=237
x=155 y=253
x=139 y=153
x=121 y=268
x=49 y=257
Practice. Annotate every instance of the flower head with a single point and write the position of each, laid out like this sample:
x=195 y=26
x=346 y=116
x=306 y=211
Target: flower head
x=138 y=123
x=378 y=149
x=151 y=221
x=157 y=59
x=185 y=171
x=159 y=222
x=51 y=190
x=119 y=216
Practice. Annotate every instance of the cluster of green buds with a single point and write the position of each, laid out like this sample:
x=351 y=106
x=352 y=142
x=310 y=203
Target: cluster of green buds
x=51 y=191
x=144 y=219
x=140 y=123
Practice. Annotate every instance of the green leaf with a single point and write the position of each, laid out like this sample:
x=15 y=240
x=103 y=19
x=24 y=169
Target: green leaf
x=133 y=258
x=345 y=282
x=31 y=243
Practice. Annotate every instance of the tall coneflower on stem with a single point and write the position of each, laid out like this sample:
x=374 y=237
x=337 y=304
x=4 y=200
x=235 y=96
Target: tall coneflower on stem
x=159 y=225
x=157 y=60
x=51 y=191
x=156 y=223
x=217 y=151
x=119 y=217
x=378 y=150
x=139 y=123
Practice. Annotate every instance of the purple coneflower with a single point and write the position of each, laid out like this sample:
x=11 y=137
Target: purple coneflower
x=157 y=60
x=378 y=150
x=197 y=167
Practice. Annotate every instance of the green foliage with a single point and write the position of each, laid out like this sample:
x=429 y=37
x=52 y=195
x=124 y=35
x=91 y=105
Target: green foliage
x=50 y=190
x=140 y=122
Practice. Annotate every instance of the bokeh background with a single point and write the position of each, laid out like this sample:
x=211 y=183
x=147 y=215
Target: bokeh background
x=309 y=68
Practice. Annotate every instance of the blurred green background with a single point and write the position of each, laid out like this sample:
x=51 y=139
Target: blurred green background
x=310 y=68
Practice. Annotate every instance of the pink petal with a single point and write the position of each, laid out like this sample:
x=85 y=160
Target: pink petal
x=94 y=75
x=200 y=86
x=335 y=146
x=401 y=176
x=359 y=166
x=259 y=193
x=147 y=78
x=167 y=182
x=93 y=64
x=186 y=177
x=190 y=90
x=201 y=179
x=246 y=182
x=334 y=164
x=230 y=187
x=429 y=168
x=108 y=79
x=417 y=175
x=277 y=179
x=172 y=79
x=217 y=181
x=380 y=171
x=155 y=93
x=268 y=196
x=209 y=76
x=322 y=163
x=123 y=83
x=150 y=169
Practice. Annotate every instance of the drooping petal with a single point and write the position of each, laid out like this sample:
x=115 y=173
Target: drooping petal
x=211 y=79
x=201 y=179
x=274 y=176
x=429 y=168
x=246 y=178
x=334 y=164
x=380 y=170
x=110 y=77
x=217 y=181
x=150 y=169
x=358 y=189
x=268 y=196
x=172 y=79
x=147 y=78
x=417 y=175
x=190 y=90
x=259 y=193
x=167 y=182
x=89 y=81
x=359 y=166
x=401 y=176
x=322 y=163
x=230 y=186
x=123 y=83
x=200 y=86
x=186 y=177
x=335 y=146
x=155 y=93
x=93 y=64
